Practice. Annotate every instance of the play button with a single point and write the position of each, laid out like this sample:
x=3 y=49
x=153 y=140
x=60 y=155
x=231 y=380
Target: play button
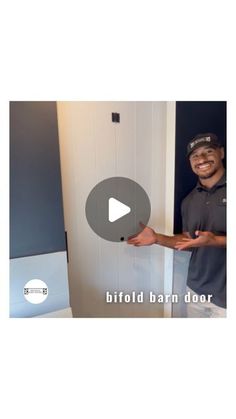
x=115 y=207
x=117 y=210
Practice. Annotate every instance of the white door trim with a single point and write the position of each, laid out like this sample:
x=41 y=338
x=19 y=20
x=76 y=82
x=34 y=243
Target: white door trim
x=169 y=204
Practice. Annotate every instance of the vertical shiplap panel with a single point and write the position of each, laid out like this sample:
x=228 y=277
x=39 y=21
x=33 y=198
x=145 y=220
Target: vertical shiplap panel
x=106 y=161
x=157 y=219
x=143 y=157
x=125 y=146
x=79 y=173
x=149 y=260
x=125 y=139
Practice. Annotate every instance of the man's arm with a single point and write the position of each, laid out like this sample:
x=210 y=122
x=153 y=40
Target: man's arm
x=170 y=241
x=182 y=241
x=148 y=237
x=203 y=238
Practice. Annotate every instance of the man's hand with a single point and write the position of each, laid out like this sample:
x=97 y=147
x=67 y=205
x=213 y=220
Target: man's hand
x=145 y=238
x=204 y=238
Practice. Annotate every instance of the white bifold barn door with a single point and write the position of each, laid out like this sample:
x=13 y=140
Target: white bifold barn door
x=93 y=148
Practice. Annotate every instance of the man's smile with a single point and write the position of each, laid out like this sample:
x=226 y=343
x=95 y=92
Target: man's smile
x=204 y=166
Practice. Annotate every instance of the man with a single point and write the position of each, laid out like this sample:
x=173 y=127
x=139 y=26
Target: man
x=204 y=229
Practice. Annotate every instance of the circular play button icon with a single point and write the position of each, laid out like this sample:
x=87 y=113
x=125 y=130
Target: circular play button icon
x=115 y=208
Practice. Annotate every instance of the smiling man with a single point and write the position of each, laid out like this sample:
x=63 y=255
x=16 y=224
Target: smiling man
x=204 y=229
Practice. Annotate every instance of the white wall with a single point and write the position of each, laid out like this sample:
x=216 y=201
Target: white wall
x=50 y=268
x=93 y=148
x=180 y=272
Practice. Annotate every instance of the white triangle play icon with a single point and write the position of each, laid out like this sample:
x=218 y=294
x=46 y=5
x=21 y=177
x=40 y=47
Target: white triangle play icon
x=117 y=210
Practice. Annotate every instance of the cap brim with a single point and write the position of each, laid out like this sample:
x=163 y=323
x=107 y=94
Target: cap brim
x=203 y=145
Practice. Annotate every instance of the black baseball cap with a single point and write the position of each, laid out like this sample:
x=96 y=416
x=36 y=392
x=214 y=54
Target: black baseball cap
x=207 y=139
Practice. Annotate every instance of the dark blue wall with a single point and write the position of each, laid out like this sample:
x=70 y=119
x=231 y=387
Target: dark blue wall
x=193 y=118
x=36 y=212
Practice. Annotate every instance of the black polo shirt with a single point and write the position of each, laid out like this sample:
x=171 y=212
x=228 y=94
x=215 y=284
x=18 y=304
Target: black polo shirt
x=205 y=209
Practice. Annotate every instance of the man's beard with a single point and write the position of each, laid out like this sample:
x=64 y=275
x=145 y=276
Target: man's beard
x=209 y=175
